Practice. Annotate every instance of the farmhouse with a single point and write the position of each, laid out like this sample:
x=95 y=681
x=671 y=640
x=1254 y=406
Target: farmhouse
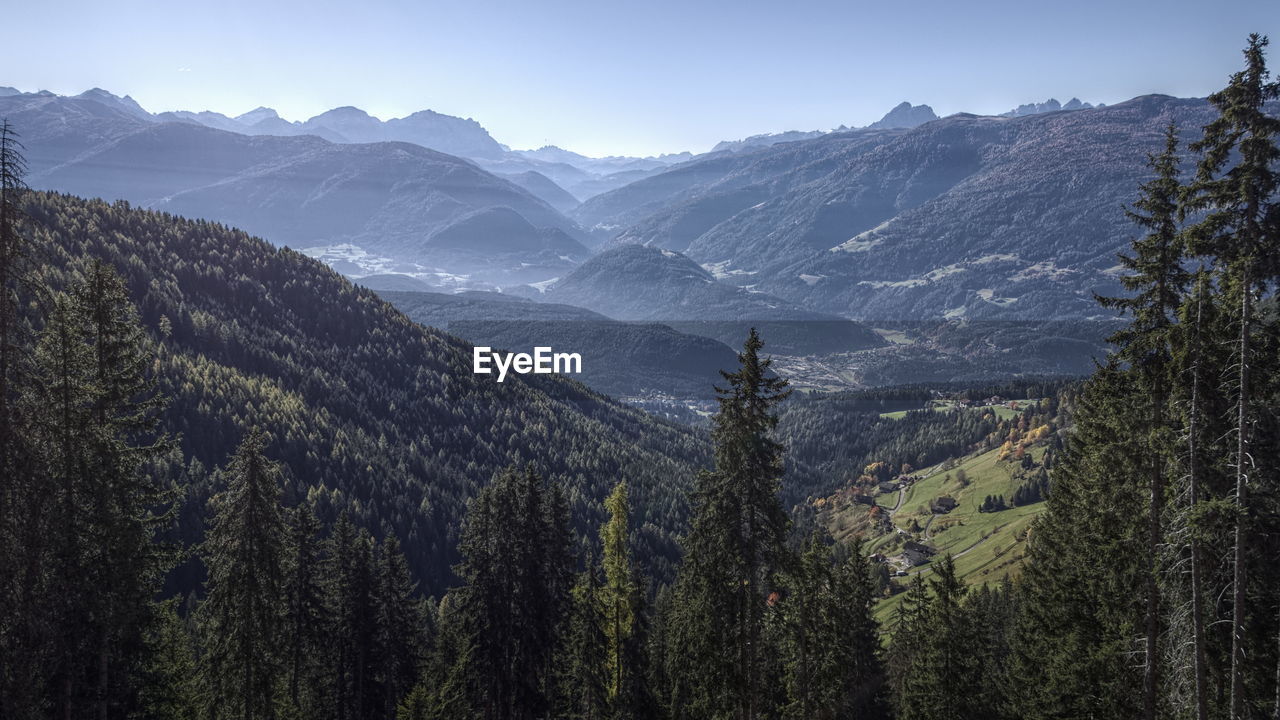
x=921 y=548
x=942 y=505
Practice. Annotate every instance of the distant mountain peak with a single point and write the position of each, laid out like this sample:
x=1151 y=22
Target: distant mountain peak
x=257 y=115
x=1050 y=105
x=346 y=111
x=125 y=103
x=905 y=115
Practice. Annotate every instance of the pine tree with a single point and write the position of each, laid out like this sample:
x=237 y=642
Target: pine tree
x=620 y=594
x=944 y=675
x=306 y=616
x=518 y=568
x=1239 y=229
x=587 y=669
x=829 y=638
x=169 y=687
x=735 y=545
x=354 y=629
x=400 y=627
x=1157 y=279
x=93 y=566
x=242 y=613
x=1081 y=599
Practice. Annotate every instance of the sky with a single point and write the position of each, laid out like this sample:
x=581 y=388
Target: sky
x=621 y=77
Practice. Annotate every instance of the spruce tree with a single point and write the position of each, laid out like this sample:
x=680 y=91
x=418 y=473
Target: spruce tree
x=1157 y=279
x=243 y=622
x=15 y=282
x=1240 y=231
x=354 y=629
x=127 y=564
x=1196 y=523
x=20 y=519
x=1081 y=597
x=942 y=680
x=306 y=615
x=910 y=638
x=518 y=569
x=829 y=640
x=58 y=398
x=400 y=627
x=449 y=675
x=169 y=676
x=731 y=553
x=93 y=566
x=587 y=670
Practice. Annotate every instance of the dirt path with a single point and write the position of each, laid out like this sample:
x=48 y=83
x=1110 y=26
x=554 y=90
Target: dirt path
x=902 y=495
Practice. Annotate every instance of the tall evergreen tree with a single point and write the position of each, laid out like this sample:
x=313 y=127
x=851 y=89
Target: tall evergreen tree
x=517 y=567
x=306 y=616
x=1081 y=597
x=126 y=561
x=731 y=553
x=910 y=638
x=400 y=627
x=620 y=594
x=943 y=678
x=94 y=564
x=829 y=637
x=1196 y=522
x=587 y=669
x=448 y=677
x=20 y=522
x=169 y=677
x=1157 y=279
x=1240 y=230
x=58 y=398
x=354 y=628
x=242 y=613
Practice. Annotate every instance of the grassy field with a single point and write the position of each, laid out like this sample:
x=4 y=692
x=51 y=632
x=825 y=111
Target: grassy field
x=987 y=547
x=894 y=337
x=1002 y=411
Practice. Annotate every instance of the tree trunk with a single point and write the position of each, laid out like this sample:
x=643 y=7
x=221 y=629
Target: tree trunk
x=1151 y=676
x=1193 y=474
x=1242 y=479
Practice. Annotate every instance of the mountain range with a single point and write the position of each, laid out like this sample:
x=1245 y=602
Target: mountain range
x=394 y=198
x=1015 y=218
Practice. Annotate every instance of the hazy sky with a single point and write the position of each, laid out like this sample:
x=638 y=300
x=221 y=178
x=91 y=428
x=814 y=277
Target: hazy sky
x=639 y=77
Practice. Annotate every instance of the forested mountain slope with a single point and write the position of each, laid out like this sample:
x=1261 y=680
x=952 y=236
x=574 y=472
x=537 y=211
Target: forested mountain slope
x=618 y=358
x=370 y=412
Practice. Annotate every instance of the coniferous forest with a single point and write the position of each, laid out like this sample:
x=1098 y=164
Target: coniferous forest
x=235 y=486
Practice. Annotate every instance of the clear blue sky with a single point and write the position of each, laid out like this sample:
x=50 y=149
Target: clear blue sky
x=629 y=77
